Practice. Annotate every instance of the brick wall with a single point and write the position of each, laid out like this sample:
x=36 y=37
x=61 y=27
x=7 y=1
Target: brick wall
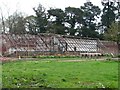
x=109 y=47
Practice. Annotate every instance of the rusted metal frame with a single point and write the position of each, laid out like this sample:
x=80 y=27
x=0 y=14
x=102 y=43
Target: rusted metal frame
x=39 y=43
x=73 y=44
x=12 y=42
x=16 y=43
x=91 y=43
x=21 y=42
x=44 y=41
x=61 y=40
x=82 y=44
x=47 y=46
x=28 y=44
x=77 y=43
x=51 y=50
x=68 y=43
x=28 y=37
x=24 y=40
x=2 y=44
x=33 y=37
x=87 y=44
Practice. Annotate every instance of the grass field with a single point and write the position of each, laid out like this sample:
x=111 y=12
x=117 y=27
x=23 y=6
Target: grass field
x=47 y=73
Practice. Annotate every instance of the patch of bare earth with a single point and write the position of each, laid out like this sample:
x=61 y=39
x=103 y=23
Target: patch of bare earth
x=74 y=60
x=5 y=59
x=81 y=60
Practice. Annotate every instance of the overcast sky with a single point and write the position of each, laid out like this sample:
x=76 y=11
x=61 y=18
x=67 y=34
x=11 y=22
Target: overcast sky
x=27 y=5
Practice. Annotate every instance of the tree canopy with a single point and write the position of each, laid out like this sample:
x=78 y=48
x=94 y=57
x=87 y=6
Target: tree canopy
x=113 y=32
x=85 y=21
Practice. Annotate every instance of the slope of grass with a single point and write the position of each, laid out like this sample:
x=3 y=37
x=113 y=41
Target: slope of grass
x=91 y=74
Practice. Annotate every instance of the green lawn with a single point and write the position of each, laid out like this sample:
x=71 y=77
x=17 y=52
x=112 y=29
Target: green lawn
x=45 y=73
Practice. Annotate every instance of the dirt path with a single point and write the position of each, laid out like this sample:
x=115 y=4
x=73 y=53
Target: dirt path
x=5 y=59
x=102 y=59
x=72 y=60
